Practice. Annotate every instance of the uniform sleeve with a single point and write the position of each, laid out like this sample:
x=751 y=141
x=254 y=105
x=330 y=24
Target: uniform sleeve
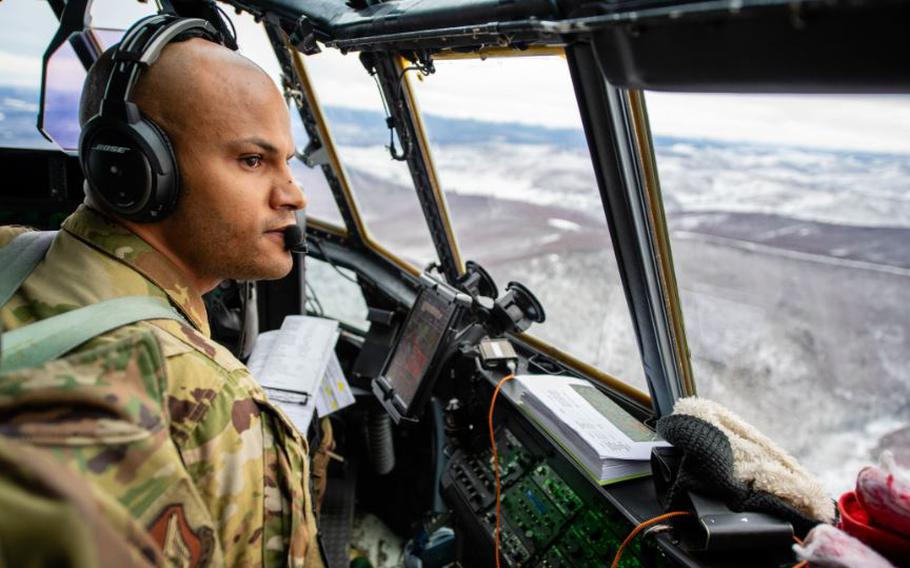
x=98 y=414
x=249 y=468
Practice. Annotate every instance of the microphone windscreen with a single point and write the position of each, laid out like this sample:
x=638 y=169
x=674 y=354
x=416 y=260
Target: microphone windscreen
x=294 y=240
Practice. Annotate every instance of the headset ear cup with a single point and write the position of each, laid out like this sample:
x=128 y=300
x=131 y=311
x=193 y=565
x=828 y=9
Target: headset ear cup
x=116 y=169
x=168 y=193
x=131 y=168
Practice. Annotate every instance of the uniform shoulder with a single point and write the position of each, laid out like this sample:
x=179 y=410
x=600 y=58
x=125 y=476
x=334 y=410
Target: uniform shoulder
x=192 y=339
x=10 y=232
x=177 y=339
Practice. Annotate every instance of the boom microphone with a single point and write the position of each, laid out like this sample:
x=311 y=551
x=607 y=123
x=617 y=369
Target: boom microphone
x=294 y=239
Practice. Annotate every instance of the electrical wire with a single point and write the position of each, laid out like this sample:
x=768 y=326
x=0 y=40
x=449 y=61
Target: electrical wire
x=406 y=142
x=222 y=15
x=502 y=381
x=331 y=263
x=313 y=298
x=392 y=126
x=641 y=527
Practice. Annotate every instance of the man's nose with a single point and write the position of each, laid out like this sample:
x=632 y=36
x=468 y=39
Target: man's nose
x=288 y=194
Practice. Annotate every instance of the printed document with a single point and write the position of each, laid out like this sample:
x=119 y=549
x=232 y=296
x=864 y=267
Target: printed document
x=597 y=432
x=296 y=363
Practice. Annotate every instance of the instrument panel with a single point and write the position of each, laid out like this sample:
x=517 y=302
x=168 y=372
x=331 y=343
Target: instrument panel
x=548 y=518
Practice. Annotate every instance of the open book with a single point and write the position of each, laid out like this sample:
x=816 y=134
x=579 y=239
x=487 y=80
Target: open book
x=608 y=442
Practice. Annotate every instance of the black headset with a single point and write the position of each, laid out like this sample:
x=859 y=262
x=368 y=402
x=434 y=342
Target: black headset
x=128 y=161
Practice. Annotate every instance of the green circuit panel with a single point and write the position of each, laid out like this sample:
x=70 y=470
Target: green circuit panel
x=513 y=457
x=531 y=514
x=554 y=558
x=545 y=522
x=557 y=490
x=592 y=540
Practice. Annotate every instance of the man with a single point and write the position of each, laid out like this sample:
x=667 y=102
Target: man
x=248 y=466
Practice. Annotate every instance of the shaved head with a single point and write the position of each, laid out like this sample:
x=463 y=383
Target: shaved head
x=194 y=80
x=230 y=130
x=186 y=70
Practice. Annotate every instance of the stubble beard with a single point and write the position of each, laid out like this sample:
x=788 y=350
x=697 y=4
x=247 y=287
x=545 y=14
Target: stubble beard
x=219 y=249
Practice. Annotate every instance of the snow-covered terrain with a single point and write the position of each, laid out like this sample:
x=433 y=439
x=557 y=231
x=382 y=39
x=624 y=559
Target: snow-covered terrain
x=793 y=266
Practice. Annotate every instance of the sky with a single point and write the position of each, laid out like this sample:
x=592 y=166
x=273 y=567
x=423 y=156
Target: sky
x=527 y=90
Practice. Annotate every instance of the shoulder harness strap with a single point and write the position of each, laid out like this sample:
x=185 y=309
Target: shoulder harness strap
x=42 y=341
x=19 y=257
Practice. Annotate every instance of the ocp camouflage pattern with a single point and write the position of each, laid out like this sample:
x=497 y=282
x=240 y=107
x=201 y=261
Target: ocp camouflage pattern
x=214 y=472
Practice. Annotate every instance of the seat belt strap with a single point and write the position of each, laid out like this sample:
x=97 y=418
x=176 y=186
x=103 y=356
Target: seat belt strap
x=42 y=341
x=19 y=257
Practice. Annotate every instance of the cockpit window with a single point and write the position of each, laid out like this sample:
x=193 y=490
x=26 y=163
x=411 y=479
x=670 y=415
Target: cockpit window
x=320 y=201
x=383 y=187
x=789 y=218
x=27 y=28
x=66 y=72
x=511 y=156
x=119 y=14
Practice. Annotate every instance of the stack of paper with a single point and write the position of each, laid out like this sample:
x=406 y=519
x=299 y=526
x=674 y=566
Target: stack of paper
x=298 y=368
x=602 y=437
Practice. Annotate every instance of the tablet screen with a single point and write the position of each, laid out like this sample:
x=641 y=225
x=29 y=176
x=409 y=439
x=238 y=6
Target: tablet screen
x=424 y=329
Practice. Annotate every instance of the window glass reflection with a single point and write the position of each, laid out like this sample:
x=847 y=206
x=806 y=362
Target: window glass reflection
x=333 y=292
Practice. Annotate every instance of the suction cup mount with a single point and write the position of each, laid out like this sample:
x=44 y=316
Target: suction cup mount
x=476 y=281
x=517 y=309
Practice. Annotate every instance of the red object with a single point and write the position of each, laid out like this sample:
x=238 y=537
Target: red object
x=885 y=497
x=854 y=520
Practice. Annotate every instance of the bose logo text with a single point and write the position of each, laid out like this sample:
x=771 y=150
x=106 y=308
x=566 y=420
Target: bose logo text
x=109 y=148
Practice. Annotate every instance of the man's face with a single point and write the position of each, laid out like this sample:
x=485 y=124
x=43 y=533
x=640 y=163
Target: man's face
x=233 y=142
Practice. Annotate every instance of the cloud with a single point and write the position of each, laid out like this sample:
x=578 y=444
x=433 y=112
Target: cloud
x=65 y=71
x=14 y=104
x=538 y=91
x=19 y=70
x=876 y=123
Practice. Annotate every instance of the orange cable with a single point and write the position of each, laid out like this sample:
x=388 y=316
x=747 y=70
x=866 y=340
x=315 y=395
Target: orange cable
x=508 y=377
x=642 y=526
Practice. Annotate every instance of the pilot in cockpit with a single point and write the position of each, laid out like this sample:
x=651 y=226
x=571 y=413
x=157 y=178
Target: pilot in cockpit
x=188 y=184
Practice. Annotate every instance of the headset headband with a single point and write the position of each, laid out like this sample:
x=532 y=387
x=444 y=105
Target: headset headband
x=140 y=47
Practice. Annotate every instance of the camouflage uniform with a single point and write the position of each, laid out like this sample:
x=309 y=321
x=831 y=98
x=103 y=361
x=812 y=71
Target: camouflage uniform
x=89 y=411
x=238 y=466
